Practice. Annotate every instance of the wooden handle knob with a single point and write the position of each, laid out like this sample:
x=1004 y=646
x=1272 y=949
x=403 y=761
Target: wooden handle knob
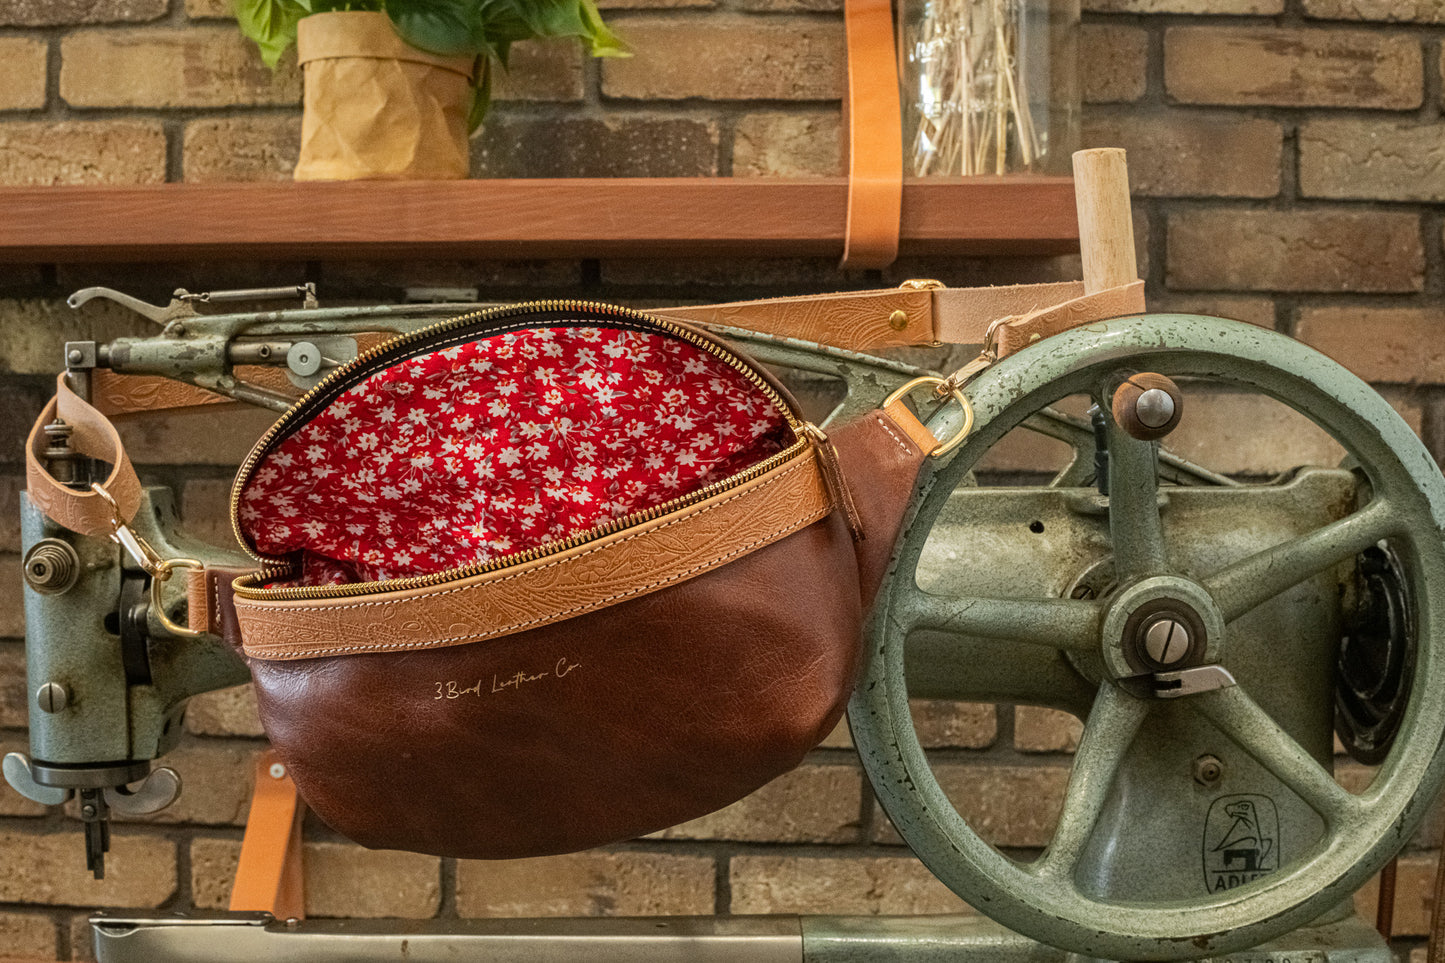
x=1148 y=406
x=1106 y=224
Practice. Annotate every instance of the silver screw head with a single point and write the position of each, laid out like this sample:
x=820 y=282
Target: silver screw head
x=52 y=697
x=1166 y=641
x=1154 y=408
x=277 y=770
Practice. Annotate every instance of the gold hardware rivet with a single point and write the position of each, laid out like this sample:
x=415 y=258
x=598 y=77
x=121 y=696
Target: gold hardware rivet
x=898 y=320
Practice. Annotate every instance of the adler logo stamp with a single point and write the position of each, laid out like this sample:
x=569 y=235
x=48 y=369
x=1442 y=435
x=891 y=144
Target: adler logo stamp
x=1241 y=841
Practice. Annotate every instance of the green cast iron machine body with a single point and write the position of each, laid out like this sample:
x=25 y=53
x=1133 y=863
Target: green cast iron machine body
x=1201 y=816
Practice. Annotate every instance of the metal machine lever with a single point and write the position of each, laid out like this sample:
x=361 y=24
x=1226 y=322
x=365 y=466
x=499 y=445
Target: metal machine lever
x=20 y=778
x=157 y=791
x=153 y=312
x=1183 y=682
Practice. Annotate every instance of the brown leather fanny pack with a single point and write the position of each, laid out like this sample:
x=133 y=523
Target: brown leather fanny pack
x=627 y=669
x=605 y=682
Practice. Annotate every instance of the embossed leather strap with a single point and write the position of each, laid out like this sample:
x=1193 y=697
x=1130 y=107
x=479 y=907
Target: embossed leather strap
x=875 y=137
x=91 y=435
x=597 y=574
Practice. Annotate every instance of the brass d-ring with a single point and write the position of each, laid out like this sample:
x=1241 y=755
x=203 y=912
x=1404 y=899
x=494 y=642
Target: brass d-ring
x=942 y=385
x=159 y=578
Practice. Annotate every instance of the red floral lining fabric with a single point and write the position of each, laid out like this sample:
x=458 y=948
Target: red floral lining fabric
x=499 y=445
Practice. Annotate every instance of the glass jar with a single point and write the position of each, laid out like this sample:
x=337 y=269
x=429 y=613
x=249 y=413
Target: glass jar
x=990 y=86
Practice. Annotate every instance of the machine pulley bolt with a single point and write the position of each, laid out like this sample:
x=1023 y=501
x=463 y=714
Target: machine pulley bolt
x=52 y=697
x=1208 y=770
x=1167 y=641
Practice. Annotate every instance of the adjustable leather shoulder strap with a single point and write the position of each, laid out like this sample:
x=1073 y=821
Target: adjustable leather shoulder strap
x=912 y=316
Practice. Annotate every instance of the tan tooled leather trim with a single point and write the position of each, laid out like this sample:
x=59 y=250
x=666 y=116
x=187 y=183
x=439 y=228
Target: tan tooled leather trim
x=591 y=576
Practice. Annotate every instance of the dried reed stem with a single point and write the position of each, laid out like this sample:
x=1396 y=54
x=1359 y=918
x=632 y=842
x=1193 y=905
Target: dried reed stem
x=970 y=98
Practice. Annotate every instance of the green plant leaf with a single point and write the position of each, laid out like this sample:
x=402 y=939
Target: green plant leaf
x=271 y=24
x=481 y=95
x=601 y=41
x=446 y=27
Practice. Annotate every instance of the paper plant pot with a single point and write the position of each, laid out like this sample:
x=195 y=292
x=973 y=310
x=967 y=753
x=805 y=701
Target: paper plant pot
x=377 y=107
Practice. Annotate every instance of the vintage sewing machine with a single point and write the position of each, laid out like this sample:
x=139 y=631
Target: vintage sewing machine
x=1213 y=634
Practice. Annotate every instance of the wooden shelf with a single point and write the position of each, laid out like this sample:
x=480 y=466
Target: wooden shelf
x=624 y=217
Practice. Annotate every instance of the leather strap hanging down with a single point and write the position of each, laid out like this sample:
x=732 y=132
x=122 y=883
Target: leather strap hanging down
x=91 y=435
x=875 y=137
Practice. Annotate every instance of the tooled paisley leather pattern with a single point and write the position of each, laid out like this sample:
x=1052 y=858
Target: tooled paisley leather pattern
x=592 y=576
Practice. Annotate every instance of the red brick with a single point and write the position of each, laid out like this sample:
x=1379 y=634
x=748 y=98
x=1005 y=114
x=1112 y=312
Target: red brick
x=224 y=712
x=1037 y=729
x=1188 y=155
x=1112 y=63
x=49 y=869
x=1418 y=11
x=32 y=340
x=1292 y=68
x=234 y=149
x=1414 y=895
x=596 y=147
x=26 y=936
x=588 y=884
x=729 y=59
x=541 y=71
x=1185 y=6
x=861 y=886
x=788 y=145
x=342 y=880
x=22 y=85
x=1401 y=345
x=45 y=154
x=10 y=489
x=55 y=13
x=1373 y=251
x=811 y=804
x=199 y=66
x=1373 y=160
x=1006 y=805
x=1247 y=308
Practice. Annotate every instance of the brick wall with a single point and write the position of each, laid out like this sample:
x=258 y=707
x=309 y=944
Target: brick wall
x=1288 y=162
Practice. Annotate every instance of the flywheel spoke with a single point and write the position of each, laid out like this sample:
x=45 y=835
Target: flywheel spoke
x=1135 y=528
x=1057 y=623
x=1244 y=585
x=1255 y=731
x=1112 y=725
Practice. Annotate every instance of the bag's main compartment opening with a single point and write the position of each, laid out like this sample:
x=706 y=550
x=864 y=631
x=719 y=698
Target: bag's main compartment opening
x=467 y=454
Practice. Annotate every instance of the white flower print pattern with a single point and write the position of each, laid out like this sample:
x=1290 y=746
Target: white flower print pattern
x=499 y=445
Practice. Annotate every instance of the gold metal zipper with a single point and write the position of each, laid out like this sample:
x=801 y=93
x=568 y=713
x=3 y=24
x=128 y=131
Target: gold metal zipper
x=278 y=567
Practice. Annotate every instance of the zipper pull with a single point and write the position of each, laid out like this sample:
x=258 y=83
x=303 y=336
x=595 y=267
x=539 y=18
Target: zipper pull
x=833 y=477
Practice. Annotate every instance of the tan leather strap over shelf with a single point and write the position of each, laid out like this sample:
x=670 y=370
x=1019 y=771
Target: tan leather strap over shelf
x=91 y=435
x=875 y=137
